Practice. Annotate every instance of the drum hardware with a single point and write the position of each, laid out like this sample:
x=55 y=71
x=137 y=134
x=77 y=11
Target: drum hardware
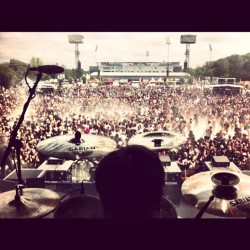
x=81 y=206
x=89 y=206
x=224 y=194
x=82 y=190
x=82 y=169
x=204 y=208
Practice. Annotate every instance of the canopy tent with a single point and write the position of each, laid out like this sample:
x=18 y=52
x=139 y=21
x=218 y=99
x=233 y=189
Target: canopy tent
x=160 y=80
x=152 y=80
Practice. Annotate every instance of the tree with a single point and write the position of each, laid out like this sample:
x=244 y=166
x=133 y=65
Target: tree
x=35 y=62
x=6 y=76
x=19 y=68
x=235 y=66
x=221 y=68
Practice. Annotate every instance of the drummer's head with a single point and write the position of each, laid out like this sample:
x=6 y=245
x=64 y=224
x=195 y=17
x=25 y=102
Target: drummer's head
x=130 y=183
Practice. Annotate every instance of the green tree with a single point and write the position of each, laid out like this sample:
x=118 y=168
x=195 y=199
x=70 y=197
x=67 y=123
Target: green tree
x=235 y=66
x=6 y=75
x=35 y=62
x=221 y=68
x=19 y=68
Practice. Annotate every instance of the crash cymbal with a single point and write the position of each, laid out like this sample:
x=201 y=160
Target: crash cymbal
x=89 y=146
x=230 y=193
x=34 y=203
x=157 y=140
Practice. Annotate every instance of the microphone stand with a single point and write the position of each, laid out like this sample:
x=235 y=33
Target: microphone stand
x=13 y=134
x=19 y=187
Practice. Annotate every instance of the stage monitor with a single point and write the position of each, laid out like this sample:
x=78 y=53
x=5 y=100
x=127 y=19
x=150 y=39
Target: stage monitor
x=220 y=161
x=26 y=173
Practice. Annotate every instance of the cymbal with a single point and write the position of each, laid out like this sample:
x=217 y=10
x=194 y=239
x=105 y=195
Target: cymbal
x=230 y=192
x=157 y=140
x=34 y=203
x=84 y=206
x=91 y=146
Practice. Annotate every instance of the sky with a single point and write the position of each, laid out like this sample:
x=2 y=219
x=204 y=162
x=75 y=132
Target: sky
x=54 y=47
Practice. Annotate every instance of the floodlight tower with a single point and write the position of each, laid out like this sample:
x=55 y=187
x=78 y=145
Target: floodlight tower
x=76 y=39
x=168 y=43
x=187 y=39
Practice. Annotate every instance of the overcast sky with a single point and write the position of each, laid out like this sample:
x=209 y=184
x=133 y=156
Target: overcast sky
x=54 y=47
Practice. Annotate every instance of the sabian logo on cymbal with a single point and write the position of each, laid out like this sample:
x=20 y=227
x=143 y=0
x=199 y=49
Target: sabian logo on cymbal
x=242 y=201
x=81 y=148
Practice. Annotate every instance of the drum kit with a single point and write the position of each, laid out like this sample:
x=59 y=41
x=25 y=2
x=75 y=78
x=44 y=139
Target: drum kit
x=20 y=202
x=219 y=193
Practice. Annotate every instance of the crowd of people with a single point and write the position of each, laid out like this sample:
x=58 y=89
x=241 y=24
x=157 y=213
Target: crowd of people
x=212 y=124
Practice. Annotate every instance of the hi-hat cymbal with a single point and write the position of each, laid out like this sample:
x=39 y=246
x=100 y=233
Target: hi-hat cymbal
x=157 y=140
x=230 y=192
x=90 y=146
x=34 y=203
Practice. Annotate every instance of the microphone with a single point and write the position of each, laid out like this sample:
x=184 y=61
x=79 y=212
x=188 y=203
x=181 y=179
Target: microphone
x=48 y=69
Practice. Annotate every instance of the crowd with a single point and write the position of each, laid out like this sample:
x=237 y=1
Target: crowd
x=212 y=124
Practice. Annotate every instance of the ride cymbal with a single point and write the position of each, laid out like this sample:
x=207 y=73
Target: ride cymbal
x=64 y=147
x=33 y=203
x=230 y=192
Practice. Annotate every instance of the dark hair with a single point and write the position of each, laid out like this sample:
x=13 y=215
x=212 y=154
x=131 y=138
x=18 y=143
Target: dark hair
x=130 y=182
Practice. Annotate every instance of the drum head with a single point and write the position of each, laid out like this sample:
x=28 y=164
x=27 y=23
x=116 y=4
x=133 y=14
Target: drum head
x=84 y=206
x=168 y=210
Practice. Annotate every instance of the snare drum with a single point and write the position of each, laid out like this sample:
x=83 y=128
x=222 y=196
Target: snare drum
x=168 y=210
x=77 y=207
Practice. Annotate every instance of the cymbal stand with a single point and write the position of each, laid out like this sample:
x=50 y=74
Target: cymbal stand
x=204 y=208
x=13 y=134
x=95 y=163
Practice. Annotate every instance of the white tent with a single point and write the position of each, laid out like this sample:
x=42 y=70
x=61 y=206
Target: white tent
x=152 y=80
x=160 y=80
